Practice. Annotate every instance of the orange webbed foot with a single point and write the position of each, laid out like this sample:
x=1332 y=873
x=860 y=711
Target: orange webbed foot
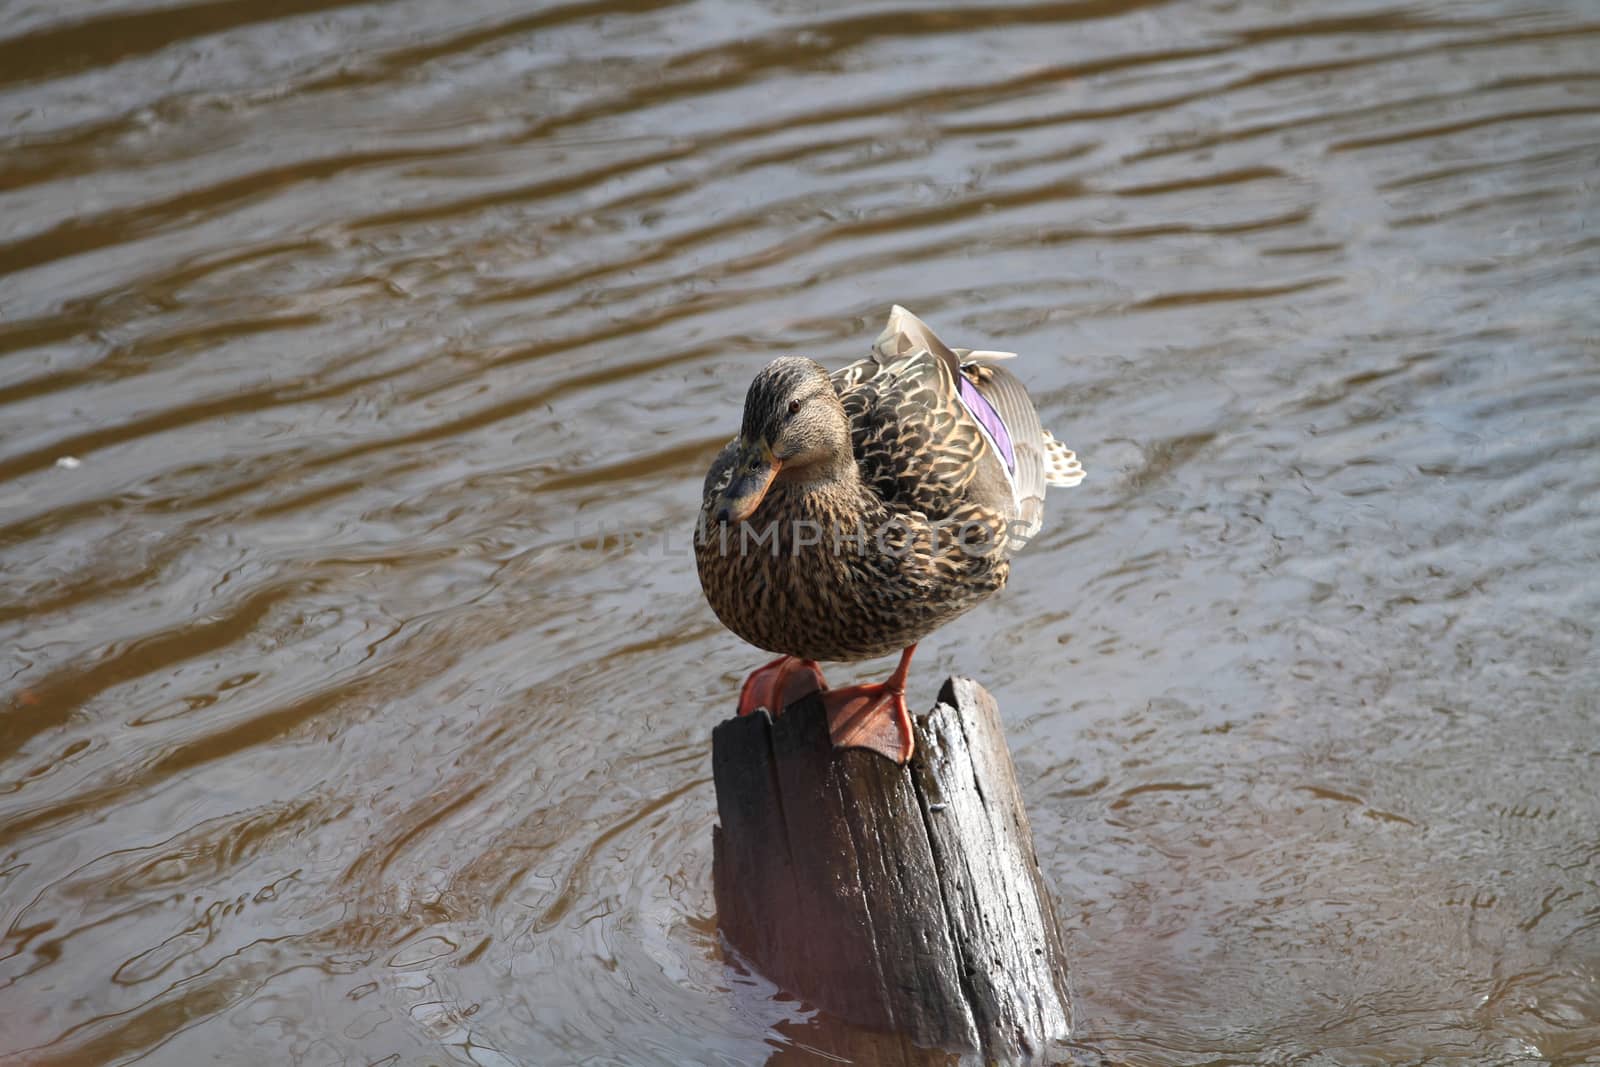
x=874 y=715
x=871 y=716
x=779 y=684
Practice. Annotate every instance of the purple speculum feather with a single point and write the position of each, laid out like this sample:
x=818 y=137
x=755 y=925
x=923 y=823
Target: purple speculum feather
x=985 y=413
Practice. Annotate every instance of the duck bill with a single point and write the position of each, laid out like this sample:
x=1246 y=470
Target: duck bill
x=752 y=476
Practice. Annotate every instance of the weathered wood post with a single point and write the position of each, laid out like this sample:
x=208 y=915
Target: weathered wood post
x=905 y=899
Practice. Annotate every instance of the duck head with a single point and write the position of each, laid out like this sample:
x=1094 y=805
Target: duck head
x=795 y=429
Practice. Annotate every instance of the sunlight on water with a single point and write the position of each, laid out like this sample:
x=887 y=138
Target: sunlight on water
x=329 y=331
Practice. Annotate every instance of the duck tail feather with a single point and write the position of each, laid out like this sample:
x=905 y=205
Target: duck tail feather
x=906 y=334
x=1061 y=466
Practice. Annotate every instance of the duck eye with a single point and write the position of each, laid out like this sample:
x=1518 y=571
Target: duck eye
x=794 y=406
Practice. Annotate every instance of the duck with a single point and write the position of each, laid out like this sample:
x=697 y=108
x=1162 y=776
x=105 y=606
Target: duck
x=859 y=510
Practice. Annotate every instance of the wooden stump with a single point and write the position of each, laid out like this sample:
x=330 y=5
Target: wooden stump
x=906 y=899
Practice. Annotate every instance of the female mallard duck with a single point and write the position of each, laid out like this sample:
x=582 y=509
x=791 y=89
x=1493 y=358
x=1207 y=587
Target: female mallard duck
x=857 y=512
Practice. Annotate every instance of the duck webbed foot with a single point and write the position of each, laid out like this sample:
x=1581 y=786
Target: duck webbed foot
x=874 y=715
x=779 y=684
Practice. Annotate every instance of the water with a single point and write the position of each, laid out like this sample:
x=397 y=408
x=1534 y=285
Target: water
x=328 y=734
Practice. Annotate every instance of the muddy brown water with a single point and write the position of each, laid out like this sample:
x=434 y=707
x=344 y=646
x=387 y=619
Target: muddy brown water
x=359 y=365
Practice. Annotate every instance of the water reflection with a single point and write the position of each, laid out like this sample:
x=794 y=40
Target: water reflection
x=320 y=739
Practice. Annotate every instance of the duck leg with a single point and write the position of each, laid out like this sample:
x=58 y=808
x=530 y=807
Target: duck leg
x=779 y=684
x=874 y=715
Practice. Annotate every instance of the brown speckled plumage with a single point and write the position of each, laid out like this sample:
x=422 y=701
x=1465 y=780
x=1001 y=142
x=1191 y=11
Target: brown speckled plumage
x=914 y=522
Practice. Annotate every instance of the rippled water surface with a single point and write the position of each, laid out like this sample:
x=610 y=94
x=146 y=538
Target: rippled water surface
x=332 y=332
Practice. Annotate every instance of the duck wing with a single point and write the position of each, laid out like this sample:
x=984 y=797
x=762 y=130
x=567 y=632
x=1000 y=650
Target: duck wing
x=1001 y=405
x=916 y=445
